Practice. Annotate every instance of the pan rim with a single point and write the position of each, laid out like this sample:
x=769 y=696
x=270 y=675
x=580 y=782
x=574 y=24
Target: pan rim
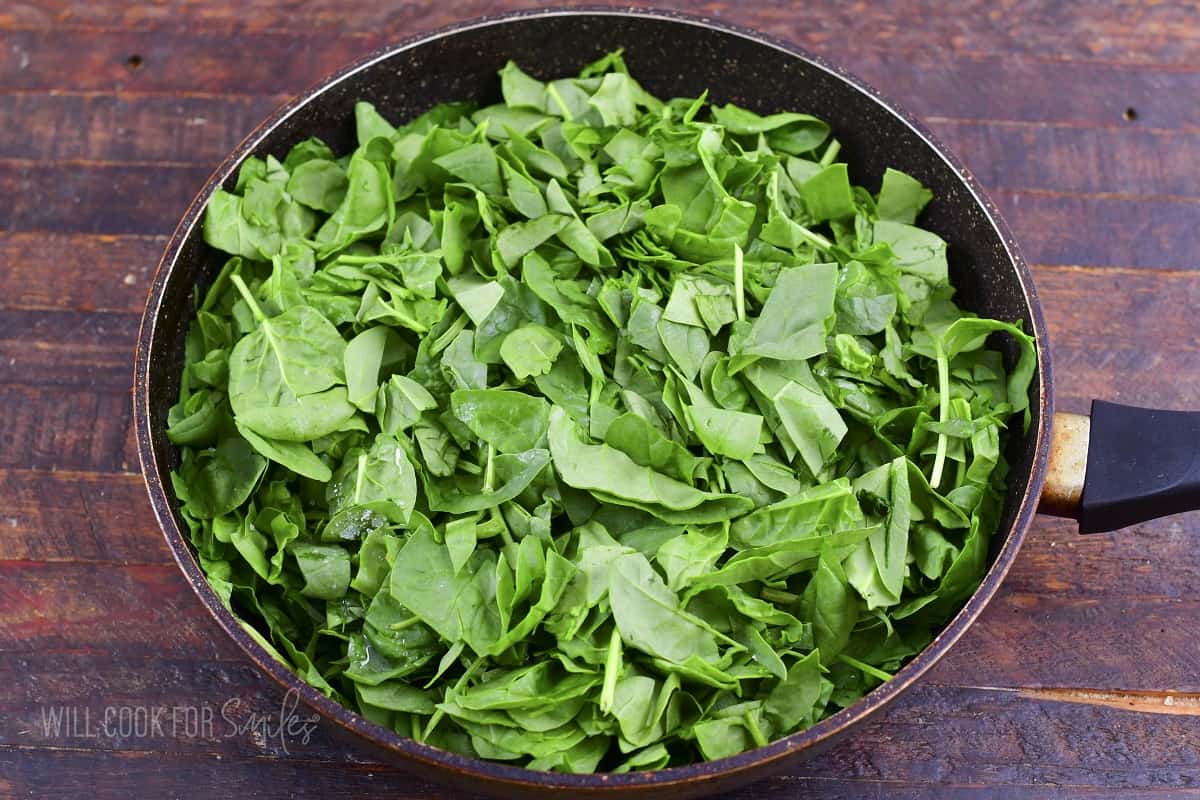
x=500 y=775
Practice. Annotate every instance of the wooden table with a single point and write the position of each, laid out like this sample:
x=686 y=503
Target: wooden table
x=1082 y=679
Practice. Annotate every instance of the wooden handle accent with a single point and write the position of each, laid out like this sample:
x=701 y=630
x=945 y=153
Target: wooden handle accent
x=1063 y=492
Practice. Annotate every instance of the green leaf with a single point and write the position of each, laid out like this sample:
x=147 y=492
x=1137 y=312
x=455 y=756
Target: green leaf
x=648 y=616
x=297 y=457
x=612 y=476
x=918 y=252
x=285 y=376
x=326 y=570
x=456 y=604
x=400 y=403
x=362 y=359
x=792 y=323
x=794 y=699
x=470 y=493
x=226 y=228
x=827 y=194
x=511 y=422
x=829 y=603
x=319 y=184
x=522 y=237
x=650 y=447
x=735 y=434
x=381 y=478
x=530 y=350
x=221 y=479
x=901 y=197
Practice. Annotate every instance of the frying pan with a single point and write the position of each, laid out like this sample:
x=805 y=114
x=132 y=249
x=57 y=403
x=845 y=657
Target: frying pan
x=674 y=55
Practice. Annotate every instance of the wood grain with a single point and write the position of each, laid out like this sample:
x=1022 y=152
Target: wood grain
x=1135 y=32
x=134 y=610
x=77 y=272
x=128 y=126
x=101 y=198
x=83 y=428
x=77 y=517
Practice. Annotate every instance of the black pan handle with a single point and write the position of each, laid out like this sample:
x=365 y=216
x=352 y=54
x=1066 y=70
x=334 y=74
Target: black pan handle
x=1122 y=465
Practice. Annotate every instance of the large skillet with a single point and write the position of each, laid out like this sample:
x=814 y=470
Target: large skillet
x=680 y=56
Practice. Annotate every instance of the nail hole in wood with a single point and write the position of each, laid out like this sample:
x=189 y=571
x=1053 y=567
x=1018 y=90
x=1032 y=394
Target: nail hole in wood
x=134 y=61
x=1130 y=114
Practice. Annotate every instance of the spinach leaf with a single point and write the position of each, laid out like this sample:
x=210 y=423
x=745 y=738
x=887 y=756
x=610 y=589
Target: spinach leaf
x=530 y=350
x=792 y=323
x=611 y=475
x=381 y=478
x=459 y=605
x=220 y=479
x=511 y=422
x=648 y=616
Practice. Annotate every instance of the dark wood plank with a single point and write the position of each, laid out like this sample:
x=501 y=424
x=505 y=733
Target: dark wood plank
x=68 y=348
x=99 y=198
x=79 y=517
x=130 y=612
x=1122 y=334
x=1023 y=89
x=192 y=705
x=1116 y=159
x=80 y=272
x=930 y=82
x=128 y=126
x=1099 y=230
x=174 y=61
x=1154 y=33
x=79 y=428
x=1089 y=612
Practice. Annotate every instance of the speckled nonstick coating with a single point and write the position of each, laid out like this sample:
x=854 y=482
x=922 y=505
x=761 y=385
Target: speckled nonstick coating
x=672 y=55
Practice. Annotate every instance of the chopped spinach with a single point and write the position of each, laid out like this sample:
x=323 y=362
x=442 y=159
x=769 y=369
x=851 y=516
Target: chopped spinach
x=587 y=431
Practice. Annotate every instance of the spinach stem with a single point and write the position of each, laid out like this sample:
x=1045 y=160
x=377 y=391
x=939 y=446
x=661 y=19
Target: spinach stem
x=552 y=90
x=831 y=152
x=438 y=714
x=405 y=623
x=489 y=472
x=739 y=290
x=360 y=475
x=231 y=267
x=248 y=297
x=612 y=671
x=755 y=732
x=498 y=517
x=866 y=669
x=943 y=370
x=779 y=596
x=449 y=335
x=815 y=239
